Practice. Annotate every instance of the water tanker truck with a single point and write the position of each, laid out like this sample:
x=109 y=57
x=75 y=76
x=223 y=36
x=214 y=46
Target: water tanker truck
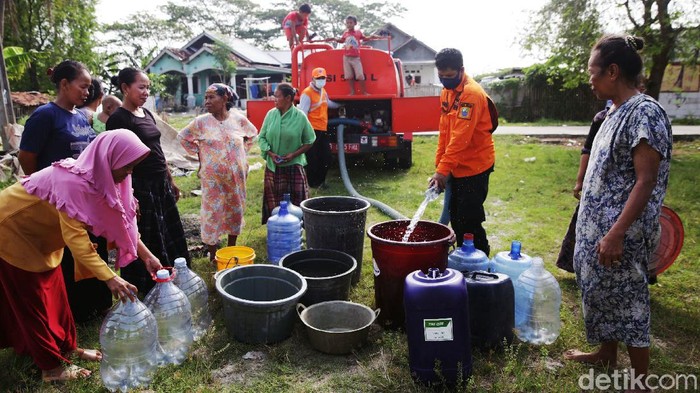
x=382 y=121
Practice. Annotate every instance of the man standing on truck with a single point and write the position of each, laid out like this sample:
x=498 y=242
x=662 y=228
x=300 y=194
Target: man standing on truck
x=352 y=64
x=296 y=25
x=314 y=102
x=465 y=147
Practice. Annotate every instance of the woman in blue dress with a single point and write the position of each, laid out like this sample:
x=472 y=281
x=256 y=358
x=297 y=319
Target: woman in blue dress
x=53 y=132
x=618 y=225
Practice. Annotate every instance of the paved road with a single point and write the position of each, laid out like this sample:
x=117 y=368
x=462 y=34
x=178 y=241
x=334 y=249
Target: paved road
x=567 y=131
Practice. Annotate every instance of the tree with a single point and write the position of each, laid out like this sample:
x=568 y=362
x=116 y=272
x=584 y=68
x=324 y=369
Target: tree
x=16 y=62
x=565 y=25
x=6 y=112
x=565 y=31
x=141 y=36
x=227 y=66
x=660 y=26
x=144 y=34
x=58 y=29
x=328 y=16
x=220 y=16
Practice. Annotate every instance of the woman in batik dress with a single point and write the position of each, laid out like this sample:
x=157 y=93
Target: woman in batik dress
x=618 y=225
x=221 y=139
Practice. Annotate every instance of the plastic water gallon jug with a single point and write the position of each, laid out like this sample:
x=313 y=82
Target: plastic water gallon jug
x=537 y=303
x=291 y=208
x=283 y=234
x=467 y=258
x=130 y=349
x=491 y=312
x=511 y=263
x=198 y=295
x=172 y=310
x=437 y=326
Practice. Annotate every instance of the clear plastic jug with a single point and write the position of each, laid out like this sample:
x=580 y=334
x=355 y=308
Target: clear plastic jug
x=537 y=304
x=173 y=312
x=291 y=208
x=130 y=348
x=283 y=234
x=197 y=293
x=512 y=263
x=468 y=258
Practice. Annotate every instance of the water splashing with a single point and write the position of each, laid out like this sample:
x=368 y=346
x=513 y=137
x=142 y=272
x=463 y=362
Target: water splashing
x=431 y=194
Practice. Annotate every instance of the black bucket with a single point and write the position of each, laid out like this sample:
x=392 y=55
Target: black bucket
x=337 y=223
x=328 y=273
x=259 y=301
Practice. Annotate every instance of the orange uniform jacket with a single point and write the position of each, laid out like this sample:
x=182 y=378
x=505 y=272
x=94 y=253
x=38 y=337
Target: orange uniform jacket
x=465 y=146
x=318 y=112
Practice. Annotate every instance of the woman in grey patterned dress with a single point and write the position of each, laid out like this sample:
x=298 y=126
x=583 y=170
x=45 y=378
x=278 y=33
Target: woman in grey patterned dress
x=618 y=226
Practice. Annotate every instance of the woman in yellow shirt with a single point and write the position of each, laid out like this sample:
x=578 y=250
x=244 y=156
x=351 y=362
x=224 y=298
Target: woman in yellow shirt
x=53 y=208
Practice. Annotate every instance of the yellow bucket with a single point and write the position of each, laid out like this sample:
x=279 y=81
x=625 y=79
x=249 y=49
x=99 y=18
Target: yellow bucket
x=233 y=256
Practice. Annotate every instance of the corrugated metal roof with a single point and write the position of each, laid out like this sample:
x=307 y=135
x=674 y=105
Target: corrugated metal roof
x=283 y=56
x=30 y=98
x=247 y=51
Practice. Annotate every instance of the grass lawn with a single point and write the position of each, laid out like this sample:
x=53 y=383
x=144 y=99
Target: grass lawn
x=529 y=201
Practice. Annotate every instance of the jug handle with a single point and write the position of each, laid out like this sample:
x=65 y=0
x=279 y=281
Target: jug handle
x=376 y=315
x=452 y=241
x=229 y=262
x=219 y=273
x=300 y=309
x=487 y=274
x=173 y=273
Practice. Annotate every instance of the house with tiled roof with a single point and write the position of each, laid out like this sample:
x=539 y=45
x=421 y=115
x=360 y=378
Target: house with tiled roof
x=25 y=102
x=197 y=66
x=417 y=59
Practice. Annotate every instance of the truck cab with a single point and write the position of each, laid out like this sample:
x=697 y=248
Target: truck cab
x=383 y=121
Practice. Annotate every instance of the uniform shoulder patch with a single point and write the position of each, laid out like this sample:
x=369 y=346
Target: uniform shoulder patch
x=465 y=111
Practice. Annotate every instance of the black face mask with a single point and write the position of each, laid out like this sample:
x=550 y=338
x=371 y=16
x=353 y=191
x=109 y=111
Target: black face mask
x=451 y=83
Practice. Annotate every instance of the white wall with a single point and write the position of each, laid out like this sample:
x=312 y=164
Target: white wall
x=681 y=105
x=427 y=72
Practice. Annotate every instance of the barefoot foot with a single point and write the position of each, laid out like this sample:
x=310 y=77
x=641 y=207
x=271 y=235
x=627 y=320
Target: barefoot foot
x=62 y=374
x=92 y=355
x=595 y=358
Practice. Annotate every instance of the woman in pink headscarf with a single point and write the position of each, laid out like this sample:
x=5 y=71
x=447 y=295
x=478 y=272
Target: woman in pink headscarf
x=53 y=208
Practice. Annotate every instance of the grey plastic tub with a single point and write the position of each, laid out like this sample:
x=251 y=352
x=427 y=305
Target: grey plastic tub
x=259 y=301
x=337 y=327
x=328 y=273
x=337 y=223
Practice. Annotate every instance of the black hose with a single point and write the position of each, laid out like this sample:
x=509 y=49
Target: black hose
x=386 y=209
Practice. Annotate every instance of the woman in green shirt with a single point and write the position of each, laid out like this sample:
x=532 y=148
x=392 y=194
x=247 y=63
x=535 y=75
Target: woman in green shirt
x=285 y=136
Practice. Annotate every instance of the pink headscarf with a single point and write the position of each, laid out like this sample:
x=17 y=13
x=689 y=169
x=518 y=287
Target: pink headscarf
x=84 y=189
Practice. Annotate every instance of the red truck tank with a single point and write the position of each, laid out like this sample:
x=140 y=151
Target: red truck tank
x=381 y=121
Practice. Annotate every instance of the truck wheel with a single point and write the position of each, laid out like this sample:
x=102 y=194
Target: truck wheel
x=405 y=155
x=390 y=160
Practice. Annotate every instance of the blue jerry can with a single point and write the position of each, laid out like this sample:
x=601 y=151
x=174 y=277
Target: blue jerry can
x=437 y=326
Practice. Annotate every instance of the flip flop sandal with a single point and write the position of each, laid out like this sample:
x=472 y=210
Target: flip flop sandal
x=70 y=373
x=92 y=355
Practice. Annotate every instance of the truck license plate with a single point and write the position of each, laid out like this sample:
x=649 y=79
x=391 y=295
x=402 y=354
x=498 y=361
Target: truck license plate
x=348 y=147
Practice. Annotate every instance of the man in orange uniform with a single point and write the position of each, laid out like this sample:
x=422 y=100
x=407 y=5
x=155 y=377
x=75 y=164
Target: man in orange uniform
x=314 y=102
x=465 y=147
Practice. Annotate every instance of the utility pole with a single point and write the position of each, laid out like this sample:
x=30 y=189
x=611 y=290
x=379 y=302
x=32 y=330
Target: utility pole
x=7 y=114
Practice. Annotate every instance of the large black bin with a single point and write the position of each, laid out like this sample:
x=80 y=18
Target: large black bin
x=328 y=273
x=337 y=223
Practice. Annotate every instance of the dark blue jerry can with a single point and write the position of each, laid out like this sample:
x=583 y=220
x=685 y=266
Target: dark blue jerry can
x=490 y=309
x=437 y=326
